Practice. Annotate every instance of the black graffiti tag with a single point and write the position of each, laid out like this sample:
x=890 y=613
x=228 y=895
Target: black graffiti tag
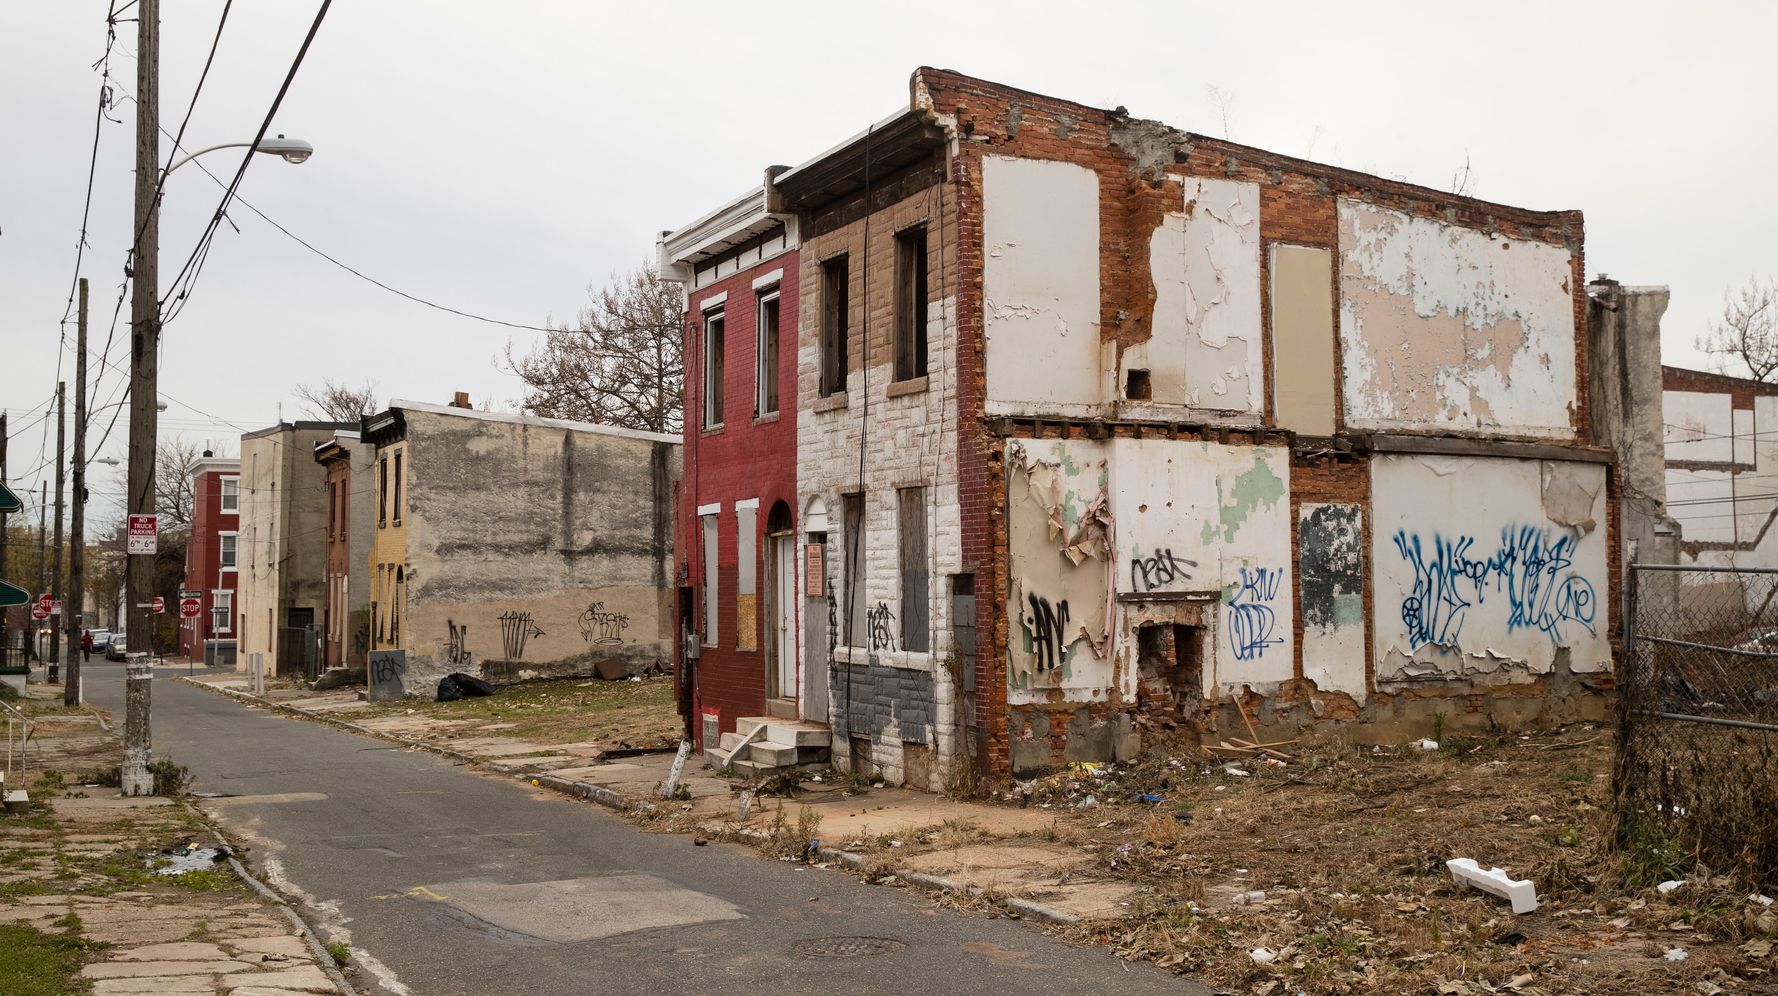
x=1158 y=571
x=1048 y=645
x=882 y=627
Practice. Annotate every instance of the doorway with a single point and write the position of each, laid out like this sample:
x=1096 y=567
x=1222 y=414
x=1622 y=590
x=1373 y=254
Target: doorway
x=781 y=662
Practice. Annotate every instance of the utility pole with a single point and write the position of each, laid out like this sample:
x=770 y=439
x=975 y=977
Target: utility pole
x=144 y=394
x=77 y=527
x=5 y=614
x=55 y=571
x=42 y=547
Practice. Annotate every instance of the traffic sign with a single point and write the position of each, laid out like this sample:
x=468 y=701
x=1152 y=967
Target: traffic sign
x=9 y=502
x=45 y=600
x=12 y=594
x=159 y=605
x=39 y=612
x=144 y=530
x=190 y=607
x=190 y=593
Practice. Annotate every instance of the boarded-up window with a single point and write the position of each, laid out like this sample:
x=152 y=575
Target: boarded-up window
x=765 y=375
x=910 y=304
x=1303 y=339
x=713 y=370
x=853 y=513
x=835 y=319
x=709 y=593
x=915 y=598
x=746 y=576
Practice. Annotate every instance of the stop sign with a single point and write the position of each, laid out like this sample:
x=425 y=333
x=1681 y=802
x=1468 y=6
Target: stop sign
x=40 y=612
x=159 y=605
x=190 y=608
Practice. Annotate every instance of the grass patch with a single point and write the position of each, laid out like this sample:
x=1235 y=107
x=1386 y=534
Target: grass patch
x=340 y=952
x=640 y=713
x=33 y=963
x=205 y=879
x=16 y=890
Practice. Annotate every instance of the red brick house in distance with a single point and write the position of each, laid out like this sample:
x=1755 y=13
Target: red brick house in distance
x=211 y=558
x=735 y=534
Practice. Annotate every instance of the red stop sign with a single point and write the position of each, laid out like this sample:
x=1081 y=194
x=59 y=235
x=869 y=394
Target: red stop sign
x=158 y=606
x=40 y=612
x=190 y=608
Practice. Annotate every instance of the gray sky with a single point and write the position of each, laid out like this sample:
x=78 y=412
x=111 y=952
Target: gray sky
x=497 y=157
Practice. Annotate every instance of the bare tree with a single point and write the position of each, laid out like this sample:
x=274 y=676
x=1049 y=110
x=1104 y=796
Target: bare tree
x=174 y=460
x=335 y=402
x=1748 y=329
x=621 y=363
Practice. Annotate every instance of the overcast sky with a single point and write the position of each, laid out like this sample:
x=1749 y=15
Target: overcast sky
x=496 y=158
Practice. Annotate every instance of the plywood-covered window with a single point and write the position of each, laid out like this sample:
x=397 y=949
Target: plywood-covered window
x=910 y=303
x=1303 y=369
x=708 y=525
x=747 y=575
x=853 y=538
x=915 y=572
x=835 y=324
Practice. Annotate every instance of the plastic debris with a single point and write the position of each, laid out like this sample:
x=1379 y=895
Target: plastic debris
x=1147 y=797
x=1237 y=772
x=1088 y=803
x=1426 y=744
x=1762 y=900
x=1522 y=894
x=1677 y=954
x=1253 y=898
x=1263 y=956
x=185 y=858
x=1668 y=886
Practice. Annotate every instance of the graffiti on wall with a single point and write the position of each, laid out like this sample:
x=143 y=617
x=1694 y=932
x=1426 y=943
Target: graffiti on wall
x=881 y=623
x=602 y=627
x=1154 y=573
x=1048 y=624
x=1330 y=550
x=833 y=624
x=1531 y=569
x=516 y=629
x=1252 y=621
x=457 y=646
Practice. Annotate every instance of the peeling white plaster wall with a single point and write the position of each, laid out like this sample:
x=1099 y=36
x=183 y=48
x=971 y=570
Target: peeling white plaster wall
x=1204 y=517
x=1059 y=558
x=1205 y=348
x=1040 y=285
x=1706 y=513
x=1450 y=326
x=1484 y=567
x=1731 y=510
x=1699 y=426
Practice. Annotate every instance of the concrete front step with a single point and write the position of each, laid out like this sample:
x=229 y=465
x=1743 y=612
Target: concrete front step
x=768 y=753
x=794 y=733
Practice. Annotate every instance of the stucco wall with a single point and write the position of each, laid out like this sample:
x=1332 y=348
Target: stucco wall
x=1448 y=326
x=533 y=550
x=1487 y=570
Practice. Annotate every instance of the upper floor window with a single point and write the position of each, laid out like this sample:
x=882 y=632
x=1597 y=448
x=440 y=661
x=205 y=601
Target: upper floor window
x=910 y=303
x=396 y=502
x=713 y=356
x=765 y=374
x=382 y=492
x=835 y=316
x=333 y=509
x=227 y=551
x=231 y=494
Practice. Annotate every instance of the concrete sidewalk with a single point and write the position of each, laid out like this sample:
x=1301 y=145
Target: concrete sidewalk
x=80 y=863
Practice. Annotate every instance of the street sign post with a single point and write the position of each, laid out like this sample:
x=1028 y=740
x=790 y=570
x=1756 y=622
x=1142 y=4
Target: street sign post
x=144 y=532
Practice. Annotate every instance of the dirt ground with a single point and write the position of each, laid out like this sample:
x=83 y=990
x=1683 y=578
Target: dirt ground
x=620 y=714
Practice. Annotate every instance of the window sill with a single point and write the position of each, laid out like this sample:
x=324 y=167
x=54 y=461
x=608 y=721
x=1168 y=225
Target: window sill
x=904 y=660
x=831 y=403
x=899 y=388
x=767 y=419
x=712 y=430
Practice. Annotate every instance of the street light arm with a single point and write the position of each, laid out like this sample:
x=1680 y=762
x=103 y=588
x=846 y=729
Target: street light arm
x=293 y=150
x=213 y=148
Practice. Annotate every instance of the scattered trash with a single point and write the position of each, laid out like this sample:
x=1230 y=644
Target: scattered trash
x=1668 y=886
x=1088 y=803
x=1534 y=818
x=1253 y=898
x=1511 y=939
x=698 y=842
x=1522 y=894
x=1762 y=900
x=1147 y=797
x=185 y=858
x=1426 y=744
x=1182 y=815
x=1676 y=954
x=1237 y=772
x=1263 y=956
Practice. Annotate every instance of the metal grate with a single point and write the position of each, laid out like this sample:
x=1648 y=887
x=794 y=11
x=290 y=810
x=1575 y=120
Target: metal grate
x=848 y=947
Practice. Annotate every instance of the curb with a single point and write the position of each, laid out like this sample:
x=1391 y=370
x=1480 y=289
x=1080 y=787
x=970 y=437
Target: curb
x=611 y=800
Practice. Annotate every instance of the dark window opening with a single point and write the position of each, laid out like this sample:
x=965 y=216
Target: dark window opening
x=1136 y=386
x=910 y=304
x=835 y=319
x=1169 y=674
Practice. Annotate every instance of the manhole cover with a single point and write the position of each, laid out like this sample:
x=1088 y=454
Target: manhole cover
x=847 y=947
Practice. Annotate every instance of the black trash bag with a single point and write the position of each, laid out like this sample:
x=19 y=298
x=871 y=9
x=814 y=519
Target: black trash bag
x=468 y=686
x=448 y=689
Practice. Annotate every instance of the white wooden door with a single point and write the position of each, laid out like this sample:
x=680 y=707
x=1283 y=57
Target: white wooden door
x=783 y=608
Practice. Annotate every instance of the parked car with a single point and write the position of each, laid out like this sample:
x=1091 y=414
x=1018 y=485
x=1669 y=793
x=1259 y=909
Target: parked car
x=114 y=651
x=102 y=640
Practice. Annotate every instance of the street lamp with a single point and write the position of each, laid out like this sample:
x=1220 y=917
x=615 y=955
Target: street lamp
x=291 y=150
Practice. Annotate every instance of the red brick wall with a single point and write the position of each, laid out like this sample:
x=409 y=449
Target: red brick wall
x=746 y=458
x=201 y=553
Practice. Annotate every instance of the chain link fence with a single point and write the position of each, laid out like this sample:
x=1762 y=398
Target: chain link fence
x=1697 y=770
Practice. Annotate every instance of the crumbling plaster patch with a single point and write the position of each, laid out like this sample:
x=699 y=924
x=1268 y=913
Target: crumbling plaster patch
x=1330 y=545
x=1059 y=545
x=1446 y=325
x=1204 y=349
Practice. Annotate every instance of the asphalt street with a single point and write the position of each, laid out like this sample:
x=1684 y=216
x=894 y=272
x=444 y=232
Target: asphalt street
x=448 y=881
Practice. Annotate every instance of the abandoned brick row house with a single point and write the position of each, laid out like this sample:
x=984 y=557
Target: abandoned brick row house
x=1018 y=431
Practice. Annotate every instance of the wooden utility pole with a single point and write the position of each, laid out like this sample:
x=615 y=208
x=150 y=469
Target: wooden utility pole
x=5 y=614
x=55 y=571
x=144 y=394
x=77 y=526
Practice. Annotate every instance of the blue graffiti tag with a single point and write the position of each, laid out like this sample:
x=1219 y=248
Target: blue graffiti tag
x=1251 y=619
x=1531 y=568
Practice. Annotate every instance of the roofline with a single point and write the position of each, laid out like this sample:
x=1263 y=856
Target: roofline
x=301 y=425
x=214 y=465
x=1727 y=380
x=514 y=418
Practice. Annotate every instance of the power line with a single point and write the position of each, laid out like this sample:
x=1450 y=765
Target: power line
x=194 y=263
